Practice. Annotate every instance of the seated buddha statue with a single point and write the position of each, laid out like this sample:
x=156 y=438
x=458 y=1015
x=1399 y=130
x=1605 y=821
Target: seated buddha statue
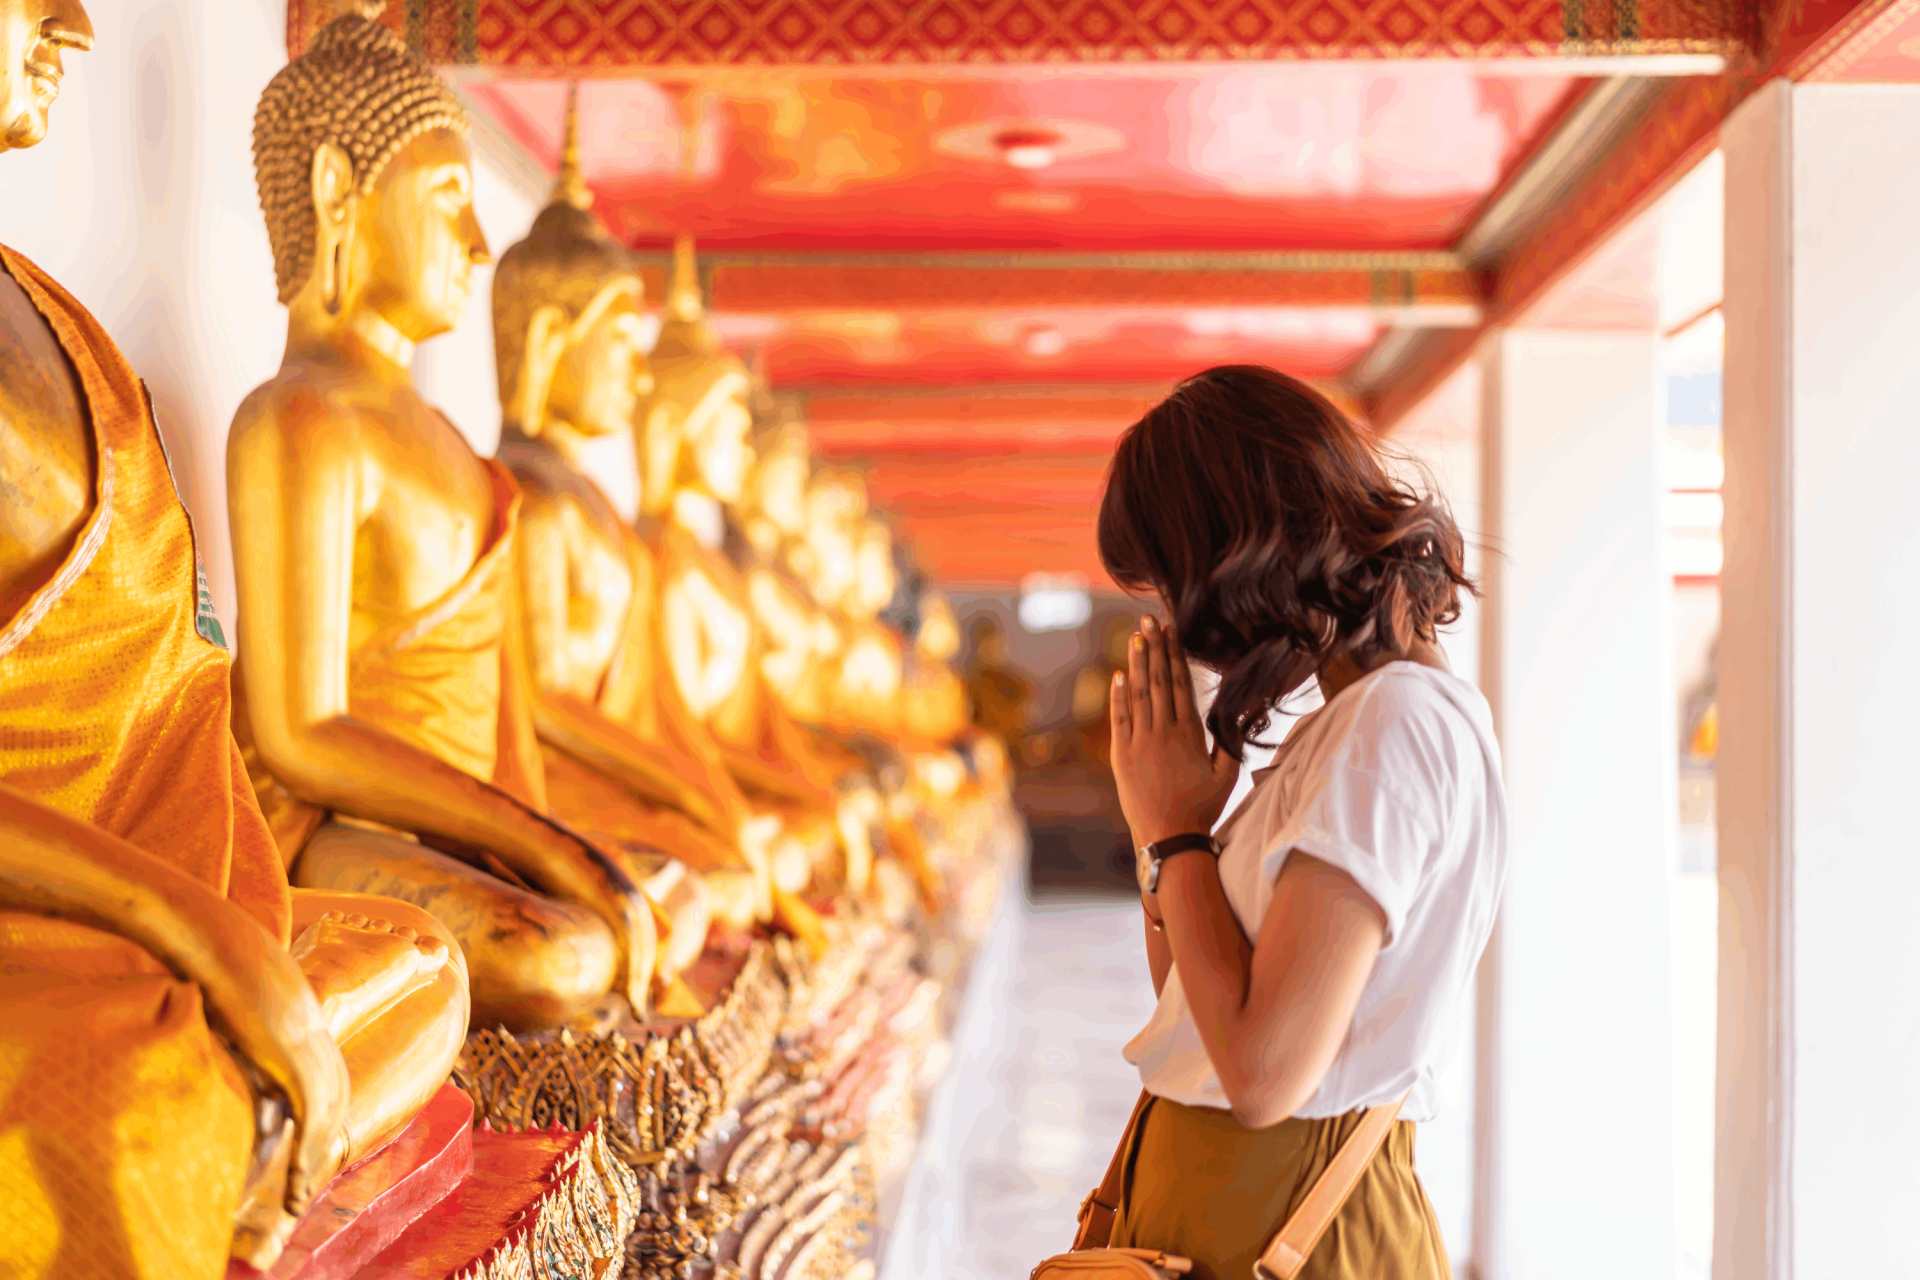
x=870 y=682
x=387 y=713
x=189 y=1049
x=933 y=709
x=799 y=641
x=695 y=459
x=626 y=762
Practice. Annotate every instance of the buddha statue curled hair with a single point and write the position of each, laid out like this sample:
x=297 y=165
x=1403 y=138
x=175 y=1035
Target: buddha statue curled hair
x=357 y=87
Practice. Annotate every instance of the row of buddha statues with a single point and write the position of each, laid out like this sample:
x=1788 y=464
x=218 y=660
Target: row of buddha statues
x=487 y=756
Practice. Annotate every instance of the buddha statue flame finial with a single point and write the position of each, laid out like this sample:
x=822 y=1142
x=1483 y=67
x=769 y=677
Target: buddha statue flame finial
x=570 y=185
x=683 y=293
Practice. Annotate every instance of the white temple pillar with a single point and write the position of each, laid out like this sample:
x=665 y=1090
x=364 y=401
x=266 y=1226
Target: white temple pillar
x=1819 y=988
x=1574 y=1077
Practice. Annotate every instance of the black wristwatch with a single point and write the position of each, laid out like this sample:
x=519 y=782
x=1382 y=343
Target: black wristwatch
x=1147 y=860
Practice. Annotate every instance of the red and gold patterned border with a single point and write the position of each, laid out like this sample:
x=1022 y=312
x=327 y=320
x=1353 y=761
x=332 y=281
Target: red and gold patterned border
x=779 y=289
x=612 y=36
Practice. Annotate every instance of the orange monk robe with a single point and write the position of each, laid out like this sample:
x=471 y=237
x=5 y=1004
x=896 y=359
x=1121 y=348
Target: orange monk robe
x=125 y=1129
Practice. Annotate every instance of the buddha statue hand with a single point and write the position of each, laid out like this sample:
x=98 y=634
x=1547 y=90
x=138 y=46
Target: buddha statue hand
x=575 y=869
x=254 y=993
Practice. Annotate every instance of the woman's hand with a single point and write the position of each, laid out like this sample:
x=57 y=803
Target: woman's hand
x=1169 y=781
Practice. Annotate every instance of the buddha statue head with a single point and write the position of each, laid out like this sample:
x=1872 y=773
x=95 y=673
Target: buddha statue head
x=360 y=153
x=827 y=556
x=776 y=498
x=697 y=420
x=569 y=336
x=938 y=636
x=874 y=576
x=32 y=35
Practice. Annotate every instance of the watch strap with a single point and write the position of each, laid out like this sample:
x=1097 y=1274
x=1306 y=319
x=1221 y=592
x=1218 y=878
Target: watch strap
x=1183 y=843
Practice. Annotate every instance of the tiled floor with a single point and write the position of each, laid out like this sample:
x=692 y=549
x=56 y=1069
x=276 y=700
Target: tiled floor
x=1024 y=1123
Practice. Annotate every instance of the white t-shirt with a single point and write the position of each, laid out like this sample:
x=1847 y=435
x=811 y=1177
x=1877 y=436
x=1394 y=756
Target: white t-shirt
x=1397 y=783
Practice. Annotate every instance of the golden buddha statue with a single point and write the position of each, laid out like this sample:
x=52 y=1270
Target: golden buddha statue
x=799 y=640
x=387 y=715
x=871 y=678
x=933 y=709
x=625 y=761
x=190 y=1049
x=695 y=461
x=1001 y=697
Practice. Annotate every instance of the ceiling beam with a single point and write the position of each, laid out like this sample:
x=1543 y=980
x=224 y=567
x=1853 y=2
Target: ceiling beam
x=1593 y=127
x=627 y=37
x=1428 y=289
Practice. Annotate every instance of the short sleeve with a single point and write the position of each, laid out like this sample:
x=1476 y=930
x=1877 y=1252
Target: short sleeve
x=1384 y=798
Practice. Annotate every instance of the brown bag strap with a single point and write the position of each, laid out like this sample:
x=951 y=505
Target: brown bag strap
x=1103 y=1202
x=1290 y=1248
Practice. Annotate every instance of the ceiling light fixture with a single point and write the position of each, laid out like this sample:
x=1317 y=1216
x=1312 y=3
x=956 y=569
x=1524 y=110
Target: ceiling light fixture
x=1028 y=148
x=1044 y=341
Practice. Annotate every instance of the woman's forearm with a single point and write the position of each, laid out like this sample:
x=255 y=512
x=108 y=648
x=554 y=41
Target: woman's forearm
x=1159 y=955
x=1216 y=961
x=1271 y=1015
x=1204 y=939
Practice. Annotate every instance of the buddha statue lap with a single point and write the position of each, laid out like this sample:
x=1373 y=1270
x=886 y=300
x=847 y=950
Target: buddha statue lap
x=387 y=720
x=179 y=1080
x=625 y=761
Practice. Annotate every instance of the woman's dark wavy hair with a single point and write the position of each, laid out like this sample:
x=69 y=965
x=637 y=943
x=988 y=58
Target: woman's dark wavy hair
x=1269 y=525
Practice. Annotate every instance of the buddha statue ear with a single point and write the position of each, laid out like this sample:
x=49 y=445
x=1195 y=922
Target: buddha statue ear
x=333 y=208
x=547 y=337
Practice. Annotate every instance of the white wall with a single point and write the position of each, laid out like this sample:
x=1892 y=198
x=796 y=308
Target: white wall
x=456 y=370
x=1441 y=438
x=1820 y=693
x=141 y=202
x=1577 y=1068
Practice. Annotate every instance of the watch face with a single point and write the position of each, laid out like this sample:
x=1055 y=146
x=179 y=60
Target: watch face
x=1143 y=869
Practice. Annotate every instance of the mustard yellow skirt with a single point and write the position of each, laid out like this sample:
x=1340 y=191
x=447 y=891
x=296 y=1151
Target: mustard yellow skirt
x=1199 y=1184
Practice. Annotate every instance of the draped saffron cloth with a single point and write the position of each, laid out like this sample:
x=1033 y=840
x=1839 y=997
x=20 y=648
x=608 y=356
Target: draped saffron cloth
x=125 y=1128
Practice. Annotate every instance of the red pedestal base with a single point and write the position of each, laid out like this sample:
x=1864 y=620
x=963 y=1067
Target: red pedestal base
x=372 y=1203
x=511 y=1172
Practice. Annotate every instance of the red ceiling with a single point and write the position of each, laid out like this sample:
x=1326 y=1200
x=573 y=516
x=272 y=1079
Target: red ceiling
x=1311 y=156
x=986 y=488
x=1176 y=160
x=927 y=372
x=1057 y=345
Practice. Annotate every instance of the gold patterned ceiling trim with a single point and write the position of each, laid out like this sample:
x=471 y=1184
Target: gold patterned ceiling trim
x=1417 y=260
x=612 y=36
x=820 y=286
